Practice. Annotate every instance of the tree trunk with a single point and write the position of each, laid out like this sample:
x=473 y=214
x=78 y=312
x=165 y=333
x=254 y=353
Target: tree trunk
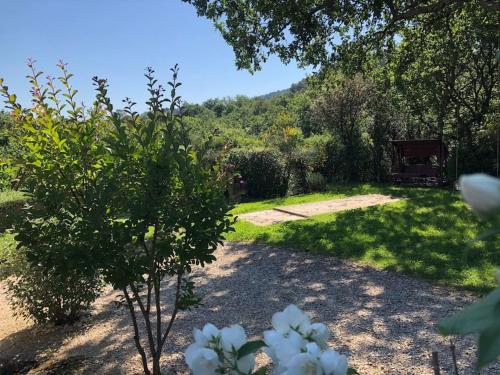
x=156 y=364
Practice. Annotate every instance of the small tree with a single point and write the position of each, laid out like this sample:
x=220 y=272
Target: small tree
x=149 y=209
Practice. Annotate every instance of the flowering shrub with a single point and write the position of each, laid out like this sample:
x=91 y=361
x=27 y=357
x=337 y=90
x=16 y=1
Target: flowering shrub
x=295 y=345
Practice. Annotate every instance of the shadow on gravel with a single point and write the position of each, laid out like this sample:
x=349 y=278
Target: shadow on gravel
x=384 y=321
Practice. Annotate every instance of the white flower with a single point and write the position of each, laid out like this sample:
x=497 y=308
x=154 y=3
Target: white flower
x=291 y=318
x=333 y=363
x=282 y=349
x=199 y=337
x=210 y=331
x=303 y=364
x=202 y=337
x=319 y=333
x=201 y=361
x=233 y=338
x=246 y=364
x=481 y=192
x=313 y=349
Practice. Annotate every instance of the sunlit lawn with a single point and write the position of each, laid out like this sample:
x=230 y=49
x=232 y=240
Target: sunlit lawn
x=430 y=234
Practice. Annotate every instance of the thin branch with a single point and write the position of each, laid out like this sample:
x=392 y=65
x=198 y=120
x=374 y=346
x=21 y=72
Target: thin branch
x=137 y=340
x=147 y=320
x=175 y=310
x=156 y=286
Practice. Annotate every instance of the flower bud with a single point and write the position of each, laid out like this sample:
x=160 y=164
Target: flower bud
x=481 y=192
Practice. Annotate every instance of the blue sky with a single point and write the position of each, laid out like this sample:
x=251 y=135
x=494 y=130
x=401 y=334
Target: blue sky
x=117 y=39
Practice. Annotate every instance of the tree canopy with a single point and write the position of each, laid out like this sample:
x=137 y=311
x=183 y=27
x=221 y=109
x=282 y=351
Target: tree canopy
x=315 y=32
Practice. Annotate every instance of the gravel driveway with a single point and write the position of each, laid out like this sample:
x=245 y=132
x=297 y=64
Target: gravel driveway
x=384 y=322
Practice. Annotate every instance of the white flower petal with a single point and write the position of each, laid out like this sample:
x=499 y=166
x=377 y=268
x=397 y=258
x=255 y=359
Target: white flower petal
x=303 y=364
x=199 y=337
x=247 y=363
x=289 y=346
x=333 y=363
x=210 y=331
x=291 y=318
x=320 y=333
x=481 y=192
x=233 y=338
x=202 y=361
x=313 y=349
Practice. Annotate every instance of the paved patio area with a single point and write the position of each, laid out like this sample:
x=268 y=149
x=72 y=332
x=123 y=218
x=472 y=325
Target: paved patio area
x=303 y=211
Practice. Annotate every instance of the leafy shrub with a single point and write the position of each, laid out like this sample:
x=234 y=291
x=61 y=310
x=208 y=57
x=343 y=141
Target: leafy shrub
x=263 y=170
x=298 y=169
x=43 y=294
x=316 y=181
x=57 y=152
x=11 y=208
x=119 y=195
x=8 y=151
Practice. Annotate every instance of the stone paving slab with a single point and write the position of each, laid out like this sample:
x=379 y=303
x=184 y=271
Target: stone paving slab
x=303 y=211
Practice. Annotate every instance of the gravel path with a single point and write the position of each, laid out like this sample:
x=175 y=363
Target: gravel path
x=302 y=211
x=384 y=321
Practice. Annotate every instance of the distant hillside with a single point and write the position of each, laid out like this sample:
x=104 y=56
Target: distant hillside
x=295 y=87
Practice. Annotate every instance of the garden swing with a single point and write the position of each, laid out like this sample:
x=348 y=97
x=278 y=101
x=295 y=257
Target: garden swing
x=419 y=161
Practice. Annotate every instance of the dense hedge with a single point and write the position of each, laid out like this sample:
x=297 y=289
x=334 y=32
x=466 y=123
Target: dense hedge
x=263 y=170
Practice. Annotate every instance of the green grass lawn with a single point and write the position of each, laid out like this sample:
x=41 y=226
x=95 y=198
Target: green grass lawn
x=430 y=234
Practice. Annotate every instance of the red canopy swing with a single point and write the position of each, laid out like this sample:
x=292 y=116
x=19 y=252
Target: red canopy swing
x=419 y=161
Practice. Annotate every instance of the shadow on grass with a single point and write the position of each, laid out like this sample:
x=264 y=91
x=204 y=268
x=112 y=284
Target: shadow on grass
x=430 y=234
x=385 y=321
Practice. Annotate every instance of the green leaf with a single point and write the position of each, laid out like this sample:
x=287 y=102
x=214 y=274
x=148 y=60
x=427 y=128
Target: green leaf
x=483 y=318
x=351 y=371
x=12 y=98
x=261 y=371
x=250 y=347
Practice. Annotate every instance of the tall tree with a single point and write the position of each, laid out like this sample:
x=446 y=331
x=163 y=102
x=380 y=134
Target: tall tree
x=311 y=30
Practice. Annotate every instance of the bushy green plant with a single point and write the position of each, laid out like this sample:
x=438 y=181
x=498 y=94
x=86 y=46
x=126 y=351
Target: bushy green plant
x=263 y=170
x=45 y=295
x=57 y=156
x=316 y=181
x=120 y=195
x=297 y=168
x=9 y=173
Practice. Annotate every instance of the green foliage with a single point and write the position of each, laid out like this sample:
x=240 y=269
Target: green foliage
x=481 y=318
x=316 y=181
x=119 y=196
x=263 y=170
x=42 y=294
x=447 y=70
x=56 y=155
x=35 y=292
x=8 y=151
x=257 y=28
x=343 y=109
x=367 y=92
x=250 y=347
x=429 y=234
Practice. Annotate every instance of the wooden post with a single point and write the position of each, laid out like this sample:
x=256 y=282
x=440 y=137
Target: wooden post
x=454 y=356
x=435 y=363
